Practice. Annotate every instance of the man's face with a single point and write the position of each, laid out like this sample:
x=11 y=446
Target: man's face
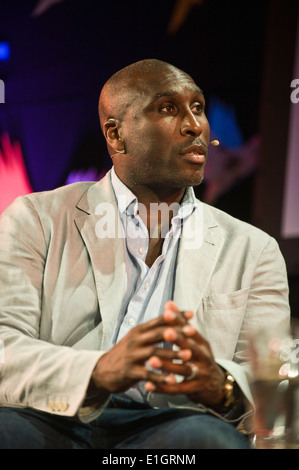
x=165 y=132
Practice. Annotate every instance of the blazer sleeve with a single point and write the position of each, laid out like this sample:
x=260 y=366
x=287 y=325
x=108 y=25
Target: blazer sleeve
x=268 y=298
x=267 y=304
x=34 y=373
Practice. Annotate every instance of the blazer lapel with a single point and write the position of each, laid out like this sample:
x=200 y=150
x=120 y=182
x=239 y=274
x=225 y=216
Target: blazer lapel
x=101 y=231
x=196 y=263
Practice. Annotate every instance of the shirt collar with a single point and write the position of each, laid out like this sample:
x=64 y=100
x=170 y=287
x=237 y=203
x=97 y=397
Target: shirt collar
x=127 y=201
x=188 y=205
x=123 y=194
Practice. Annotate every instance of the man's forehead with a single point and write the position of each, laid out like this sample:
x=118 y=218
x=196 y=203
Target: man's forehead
x=176 y=91
x=164 y=85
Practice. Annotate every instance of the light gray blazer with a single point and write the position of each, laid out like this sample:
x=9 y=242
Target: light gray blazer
x=62 y=284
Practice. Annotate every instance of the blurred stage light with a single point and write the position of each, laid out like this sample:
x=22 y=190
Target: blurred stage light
x=4 y=51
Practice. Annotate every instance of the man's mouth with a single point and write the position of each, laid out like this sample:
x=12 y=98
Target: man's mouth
x=194 y=153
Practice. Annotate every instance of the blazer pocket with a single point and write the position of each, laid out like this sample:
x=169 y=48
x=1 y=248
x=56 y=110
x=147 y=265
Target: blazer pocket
x=222 y=318
x=230 y=301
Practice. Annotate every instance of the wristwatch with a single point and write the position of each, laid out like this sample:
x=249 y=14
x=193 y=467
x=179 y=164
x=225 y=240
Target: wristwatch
x=230 y=391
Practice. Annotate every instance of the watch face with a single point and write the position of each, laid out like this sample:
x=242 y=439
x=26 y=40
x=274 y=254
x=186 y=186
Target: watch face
x=228 y=390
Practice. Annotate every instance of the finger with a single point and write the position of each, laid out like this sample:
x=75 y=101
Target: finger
x=184 y=369
x=190 y=331
x=156 y=360
x=172 y=334
x=116 y=380
x=173 y=385
x=152 y=387
x=170 y=305
x=141 y=348
x=169 y=317
x=195 y=337
x=158 y=379
x=147 y=337
x=187 y=332
x=175 y=335
x=172 y=388
x=184 y=354
x=161 y=362
x=188 y=338
x=172 y=312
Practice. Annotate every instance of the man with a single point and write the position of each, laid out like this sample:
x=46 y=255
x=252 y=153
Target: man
x=125 y=303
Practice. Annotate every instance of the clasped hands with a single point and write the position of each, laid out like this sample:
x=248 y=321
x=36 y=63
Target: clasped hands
x=126 y=363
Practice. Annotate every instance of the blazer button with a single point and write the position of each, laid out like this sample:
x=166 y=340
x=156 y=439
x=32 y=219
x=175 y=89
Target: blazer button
x=62 y=406
x=50 y=405
x=57 y=406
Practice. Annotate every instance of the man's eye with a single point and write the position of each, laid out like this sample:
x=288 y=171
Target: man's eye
x=198 y=108
x=169 y=108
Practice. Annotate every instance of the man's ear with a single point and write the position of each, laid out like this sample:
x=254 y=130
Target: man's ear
x=111 y=133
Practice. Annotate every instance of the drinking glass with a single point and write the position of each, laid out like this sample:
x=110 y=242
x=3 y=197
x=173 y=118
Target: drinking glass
x=274 y=357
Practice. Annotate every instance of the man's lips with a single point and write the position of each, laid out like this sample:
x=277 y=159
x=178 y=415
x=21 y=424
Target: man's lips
x=195 y=153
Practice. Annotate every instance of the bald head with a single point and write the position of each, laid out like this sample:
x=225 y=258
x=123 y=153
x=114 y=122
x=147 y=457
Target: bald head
x=119 y=91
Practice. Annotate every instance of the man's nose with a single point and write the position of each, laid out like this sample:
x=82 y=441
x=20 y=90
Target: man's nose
x=191 y=125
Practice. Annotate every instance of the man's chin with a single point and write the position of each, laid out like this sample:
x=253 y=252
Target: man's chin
x=188 y=182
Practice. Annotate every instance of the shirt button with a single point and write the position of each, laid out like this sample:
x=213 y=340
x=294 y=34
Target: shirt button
x=141 y=250
x=146 y=285
x=131 y=321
